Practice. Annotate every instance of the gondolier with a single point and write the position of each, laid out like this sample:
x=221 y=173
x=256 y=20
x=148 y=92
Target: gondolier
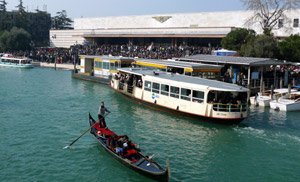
x=101 y=114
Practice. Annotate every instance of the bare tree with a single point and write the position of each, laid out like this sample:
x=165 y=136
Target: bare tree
x=3 y=4
x=269 y=12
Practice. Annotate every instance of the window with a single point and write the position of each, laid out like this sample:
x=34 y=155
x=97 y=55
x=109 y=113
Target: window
x=155 y=87
x=197 y=96
x=125 y=64
x=280 y=23
x=98 y=64
x=112 y=66
x=106 y=65
x=147 y=86
x=118 y=64
x=164 y=89
x=185 y=94
x=296 y=22
x=174 y=92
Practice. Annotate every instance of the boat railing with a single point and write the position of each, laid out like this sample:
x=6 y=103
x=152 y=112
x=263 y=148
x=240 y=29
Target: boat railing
x=230 y=107
x=130 y=89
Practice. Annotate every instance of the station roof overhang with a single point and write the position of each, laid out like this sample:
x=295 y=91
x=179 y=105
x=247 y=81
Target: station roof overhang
x=231 y=60
x=154 y=35
x=164 y=32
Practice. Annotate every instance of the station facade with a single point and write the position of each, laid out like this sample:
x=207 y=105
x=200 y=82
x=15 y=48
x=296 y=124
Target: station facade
x=203 y=29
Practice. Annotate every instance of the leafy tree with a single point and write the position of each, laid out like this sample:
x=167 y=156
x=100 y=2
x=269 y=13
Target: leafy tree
x=268 y=12
x=61 y=21
x=236 y=38
x=3 y=4
x=261 y=46
x=22 y=17
x=15 y=39
x=290 y=48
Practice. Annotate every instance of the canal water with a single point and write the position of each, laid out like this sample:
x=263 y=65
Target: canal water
x=43 y=110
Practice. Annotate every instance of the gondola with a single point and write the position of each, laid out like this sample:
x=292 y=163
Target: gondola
x=131 y=156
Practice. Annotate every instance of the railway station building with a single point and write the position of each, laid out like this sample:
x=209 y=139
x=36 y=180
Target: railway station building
x=201 y=29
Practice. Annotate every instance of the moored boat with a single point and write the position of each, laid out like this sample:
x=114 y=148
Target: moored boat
x=222 y=102
x=100 y=69
x=264 y=98
x=288 y=102
x=129 y=156
x=17 y=62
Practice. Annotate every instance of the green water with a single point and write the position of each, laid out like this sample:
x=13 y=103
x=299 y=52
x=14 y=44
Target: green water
x=43 y=110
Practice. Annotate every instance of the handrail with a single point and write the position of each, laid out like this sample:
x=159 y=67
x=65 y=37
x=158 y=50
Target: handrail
x=229 y=107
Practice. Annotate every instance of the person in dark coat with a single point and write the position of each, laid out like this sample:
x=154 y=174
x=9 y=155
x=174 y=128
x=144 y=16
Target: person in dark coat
x=101 y=114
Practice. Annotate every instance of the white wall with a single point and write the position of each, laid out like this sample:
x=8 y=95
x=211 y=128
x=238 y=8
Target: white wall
x=206 y=19
x=66 y=38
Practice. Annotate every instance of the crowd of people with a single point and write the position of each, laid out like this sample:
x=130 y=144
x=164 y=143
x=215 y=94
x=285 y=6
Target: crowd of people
x=143 y=51
x=49 y=55
x=69 y=55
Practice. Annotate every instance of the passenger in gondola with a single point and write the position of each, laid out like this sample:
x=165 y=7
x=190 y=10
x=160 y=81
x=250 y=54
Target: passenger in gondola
x=119 y=150
x=132 y=146
x=112 y=142
x=101 y=114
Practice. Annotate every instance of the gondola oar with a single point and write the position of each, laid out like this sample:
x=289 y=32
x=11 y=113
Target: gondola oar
x=83 y=133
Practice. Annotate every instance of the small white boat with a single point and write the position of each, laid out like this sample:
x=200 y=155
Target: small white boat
x=263 y=99
x=289 y=102
x=18 y=62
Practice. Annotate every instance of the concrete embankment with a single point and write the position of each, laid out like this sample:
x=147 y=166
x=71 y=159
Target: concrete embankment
x=58 y=66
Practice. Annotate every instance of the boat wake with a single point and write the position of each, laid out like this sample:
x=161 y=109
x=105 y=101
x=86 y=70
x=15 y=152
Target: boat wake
x=250 y=130
x=288 y=137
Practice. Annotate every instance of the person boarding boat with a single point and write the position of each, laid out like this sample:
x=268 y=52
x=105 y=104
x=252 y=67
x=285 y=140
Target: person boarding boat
x=101 y=115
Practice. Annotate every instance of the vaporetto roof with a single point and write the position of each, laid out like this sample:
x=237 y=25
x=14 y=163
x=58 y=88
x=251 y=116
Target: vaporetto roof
x=105 y=57
x=183 y=80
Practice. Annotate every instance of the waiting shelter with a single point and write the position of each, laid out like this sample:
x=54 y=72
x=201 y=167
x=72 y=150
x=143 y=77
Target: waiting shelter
x=254 y=73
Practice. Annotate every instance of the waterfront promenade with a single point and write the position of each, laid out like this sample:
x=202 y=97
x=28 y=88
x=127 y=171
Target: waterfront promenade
x=58 y=66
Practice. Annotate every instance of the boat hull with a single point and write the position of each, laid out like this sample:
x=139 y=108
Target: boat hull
x=97 y=79
x=225 y=121
x=16 y=65
x=285 y=106
x=263 y=101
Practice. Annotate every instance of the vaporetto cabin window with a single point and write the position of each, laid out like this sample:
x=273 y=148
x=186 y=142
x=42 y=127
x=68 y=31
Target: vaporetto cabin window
x=98 y=64
x=125 y=64
x=147 y=86
x=106 y=65
x=164 y=89
x=185 y=94
x=174 y=92
x=155 y=87
x=112 y=66
x=198 y=96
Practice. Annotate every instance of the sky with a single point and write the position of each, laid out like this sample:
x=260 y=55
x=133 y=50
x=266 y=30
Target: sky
x=104 y=8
